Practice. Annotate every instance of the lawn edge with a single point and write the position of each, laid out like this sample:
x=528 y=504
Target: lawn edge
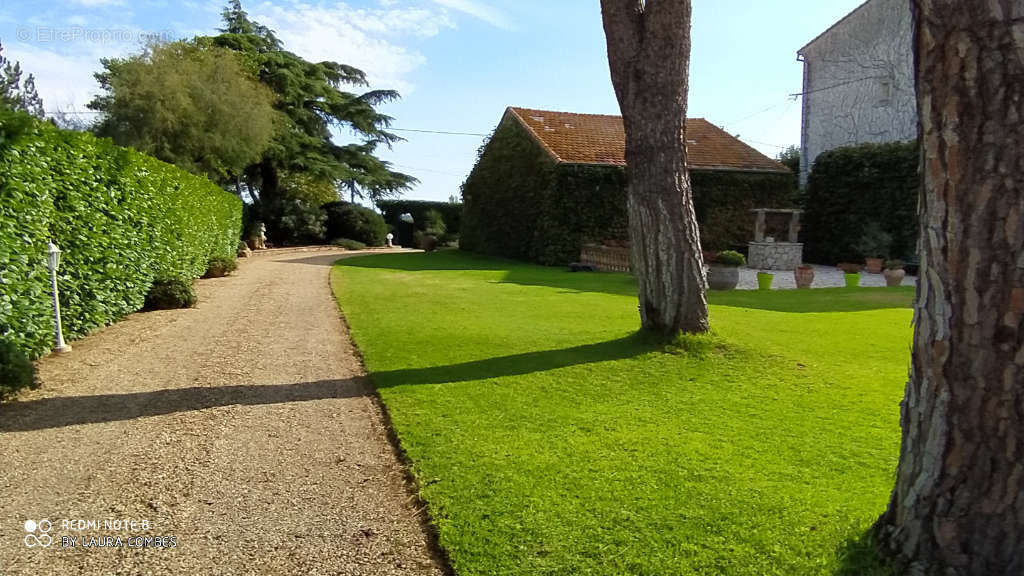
x=438 y=553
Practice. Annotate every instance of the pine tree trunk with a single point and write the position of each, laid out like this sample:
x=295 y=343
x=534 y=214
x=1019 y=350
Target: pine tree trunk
x=958 y=504
x=649 y=56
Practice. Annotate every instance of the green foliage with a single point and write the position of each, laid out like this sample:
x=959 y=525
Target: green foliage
x=191 y=105
x=894 y=264
x=300 y=222
x=875 y=243
x=220 y=266
x=425 y=241
x=451 y=213
x=542 y=442
x=16 y=371
x=520 y=204
x=434 y=223
x=850 y=188
x=15 y=94
x=348 y=244
x=357 y=222
x=312 y=102
x=170 y=294
x=120 y=217
x=730 y=258
x=790 y=158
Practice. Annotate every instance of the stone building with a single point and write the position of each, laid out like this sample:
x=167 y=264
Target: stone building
x=859 y=81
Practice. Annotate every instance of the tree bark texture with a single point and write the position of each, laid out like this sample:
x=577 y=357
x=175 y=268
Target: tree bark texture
x=649 y=57
x=958 y=505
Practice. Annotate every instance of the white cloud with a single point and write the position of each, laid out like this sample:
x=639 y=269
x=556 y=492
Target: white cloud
x=478 y=10
x=366 y=39
x=64 y=81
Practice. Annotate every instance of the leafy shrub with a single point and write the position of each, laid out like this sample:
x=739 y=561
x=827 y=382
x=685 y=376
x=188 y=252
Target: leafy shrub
x=730 y=258
x=220 y=266
x=434 y=223
x=301 y=223
x=894 y=264
x=875 y=242
x=345 y=220
x=851 y=187
x=170 y=294
x=120 y=218
x=16 y=371
x=348 y=244
x=424 y=241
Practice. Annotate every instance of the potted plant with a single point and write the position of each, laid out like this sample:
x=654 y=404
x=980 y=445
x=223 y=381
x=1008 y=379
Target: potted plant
x=874 y=246
x=724 y=270
x=894 y=273
x=764 y=280
x=851 y=272
x=804 y=275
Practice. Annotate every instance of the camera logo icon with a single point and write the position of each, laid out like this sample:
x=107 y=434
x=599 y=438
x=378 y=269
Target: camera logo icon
x=43 y=540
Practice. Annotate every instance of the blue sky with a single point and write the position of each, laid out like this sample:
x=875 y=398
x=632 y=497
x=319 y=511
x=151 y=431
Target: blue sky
x=457 y=63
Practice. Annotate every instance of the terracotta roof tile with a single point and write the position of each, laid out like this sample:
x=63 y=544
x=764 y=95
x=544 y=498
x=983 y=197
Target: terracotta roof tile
x=599 y=139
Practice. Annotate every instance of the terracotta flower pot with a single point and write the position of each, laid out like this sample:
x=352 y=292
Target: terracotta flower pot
x=804 y=276
x=874 y=265
x=894 y=277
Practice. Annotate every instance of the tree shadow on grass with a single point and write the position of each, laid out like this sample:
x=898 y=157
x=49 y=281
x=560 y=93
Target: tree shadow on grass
x=520 y=364
x=59 y=412
x=859 y=557
x=427 y=261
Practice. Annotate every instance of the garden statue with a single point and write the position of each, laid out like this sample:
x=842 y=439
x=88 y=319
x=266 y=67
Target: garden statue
x=390 y=237
x=243 y=250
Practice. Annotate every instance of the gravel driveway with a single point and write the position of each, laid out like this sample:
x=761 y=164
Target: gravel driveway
x=238 y=437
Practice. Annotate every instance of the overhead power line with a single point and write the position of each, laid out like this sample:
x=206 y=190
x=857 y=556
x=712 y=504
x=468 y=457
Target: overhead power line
x=438 y=132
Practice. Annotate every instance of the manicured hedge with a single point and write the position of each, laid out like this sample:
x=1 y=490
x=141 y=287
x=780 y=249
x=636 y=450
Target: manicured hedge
x=518 y=203
x=121 y=219
x=355 y=222
x=851 y=187
x=393 y=210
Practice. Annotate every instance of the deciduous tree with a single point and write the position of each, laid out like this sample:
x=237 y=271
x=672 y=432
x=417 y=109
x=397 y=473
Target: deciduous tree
x=649 y=57
x=194 y=106
x=958 y=505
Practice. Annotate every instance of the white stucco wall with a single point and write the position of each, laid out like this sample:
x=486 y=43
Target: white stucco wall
x=859 y=82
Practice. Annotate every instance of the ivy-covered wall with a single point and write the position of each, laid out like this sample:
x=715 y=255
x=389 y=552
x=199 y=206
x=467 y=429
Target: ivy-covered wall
x=121 y=219
x=504 y=197
x=851 y=187
x=519 y=203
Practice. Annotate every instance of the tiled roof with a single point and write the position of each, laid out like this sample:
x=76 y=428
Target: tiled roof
x=599 y=139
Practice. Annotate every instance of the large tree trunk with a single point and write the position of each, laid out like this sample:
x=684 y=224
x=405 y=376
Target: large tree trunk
x=958 y=505
x=649 y=58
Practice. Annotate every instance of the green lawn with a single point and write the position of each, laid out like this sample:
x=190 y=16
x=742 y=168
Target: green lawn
x=548 y=438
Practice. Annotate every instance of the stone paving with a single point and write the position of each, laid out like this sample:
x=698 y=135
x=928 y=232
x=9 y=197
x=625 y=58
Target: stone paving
x=824 y=277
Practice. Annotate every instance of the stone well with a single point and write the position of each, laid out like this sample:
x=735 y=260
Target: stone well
x=767 y=254
x=775 y=255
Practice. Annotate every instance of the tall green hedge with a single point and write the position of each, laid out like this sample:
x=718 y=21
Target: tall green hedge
x=121 y=219
x=393 y=210
x=851 y=187
x=519 y=203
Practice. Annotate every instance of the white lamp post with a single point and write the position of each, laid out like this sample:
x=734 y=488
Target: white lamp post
x=53 y=260
x=391 y=238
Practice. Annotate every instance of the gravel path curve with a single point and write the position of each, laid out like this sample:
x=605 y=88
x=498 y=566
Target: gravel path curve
x=243 y=431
